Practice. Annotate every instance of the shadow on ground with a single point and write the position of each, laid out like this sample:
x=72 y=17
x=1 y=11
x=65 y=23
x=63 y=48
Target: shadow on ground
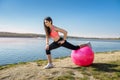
x=103 y=67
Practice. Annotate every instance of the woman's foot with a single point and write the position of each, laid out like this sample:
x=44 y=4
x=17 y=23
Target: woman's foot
x=86 y=44
x=49 y=65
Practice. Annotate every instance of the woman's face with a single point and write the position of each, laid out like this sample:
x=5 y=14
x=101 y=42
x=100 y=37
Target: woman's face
x=47 y=23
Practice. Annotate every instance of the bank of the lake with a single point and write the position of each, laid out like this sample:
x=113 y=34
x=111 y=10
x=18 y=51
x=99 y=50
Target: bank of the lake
x=106 y=66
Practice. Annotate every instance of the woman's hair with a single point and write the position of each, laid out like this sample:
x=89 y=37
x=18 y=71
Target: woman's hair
x=47 y=29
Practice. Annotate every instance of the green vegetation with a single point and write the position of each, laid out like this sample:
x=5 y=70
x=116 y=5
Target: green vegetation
x=33 y=35
x=97 y=71
x=105 y=71
x=64 y=77
x=108 y=52
x=11 y=65
x=26 y=35
x=41 y=62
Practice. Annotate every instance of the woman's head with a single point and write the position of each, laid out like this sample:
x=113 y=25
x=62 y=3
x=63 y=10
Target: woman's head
x=47 y=23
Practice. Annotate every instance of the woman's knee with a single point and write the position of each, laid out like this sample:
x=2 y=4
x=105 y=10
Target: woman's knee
x=48 y=52
x=77 y=47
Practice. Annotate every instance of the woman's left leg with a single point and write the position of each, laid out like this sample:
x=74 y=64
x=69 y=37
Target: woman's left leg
x=70 y=46
x=73 y=47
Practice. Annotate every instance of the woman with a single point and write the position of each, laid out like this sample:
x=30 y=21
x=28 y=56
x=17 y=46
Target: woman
x=52 y=31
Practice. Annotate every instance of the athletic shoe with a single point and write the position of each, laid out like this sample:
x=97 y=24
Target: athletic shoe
x=86 y=44
x=49 y=65
x=89 y=44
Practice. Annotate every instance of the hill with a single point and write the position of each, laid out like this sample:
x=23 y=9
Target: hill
x=34 y=35
x=26 y=35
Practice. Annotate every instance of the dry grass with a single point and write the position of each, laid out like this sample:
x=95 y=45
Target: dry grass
x=106 y=66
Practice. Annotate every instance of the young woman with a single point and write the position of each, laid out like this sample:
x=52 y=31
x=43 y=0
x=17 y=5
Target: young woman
x=52 y=32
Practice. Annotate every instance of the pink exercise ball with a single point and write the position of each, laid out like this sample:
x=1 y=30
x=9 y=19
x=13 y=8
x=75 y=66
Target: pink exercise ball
x=83 y=56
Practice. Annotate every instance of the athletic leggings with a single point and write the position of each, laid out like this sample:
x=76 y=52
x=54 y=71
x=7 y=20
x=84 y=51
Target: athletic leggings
x=66 y=44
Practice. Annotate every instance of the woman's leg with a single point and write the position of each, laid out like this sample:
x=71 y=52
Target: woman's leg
x=70 y=46
x=49 y=58
x=86 y=44
x=52 y=46
x=73 y=47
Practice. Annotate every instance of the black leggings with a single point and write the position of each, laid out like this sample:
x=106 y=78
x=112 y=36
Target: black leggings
x=66 y=44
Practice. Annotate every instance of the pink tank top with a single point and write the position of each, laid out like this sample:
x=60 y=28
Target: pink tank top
x=54 y=33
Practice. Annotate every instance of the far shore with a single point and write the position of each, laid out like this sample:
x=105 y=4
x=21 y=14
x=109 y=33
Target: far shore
x=106 y=66
x=35 y=35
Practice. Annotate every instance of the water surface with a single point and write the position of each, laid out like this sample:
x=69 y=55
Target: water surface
x=14 y=50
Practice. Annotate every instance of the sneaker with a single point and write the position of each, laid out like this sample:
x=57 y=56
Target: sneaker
x=89 y=44
x=49 y=65
x=86 y=44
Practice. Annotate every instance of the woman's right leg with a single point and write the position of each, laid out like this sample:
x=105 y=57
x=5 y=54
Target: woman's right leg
x=52 y=46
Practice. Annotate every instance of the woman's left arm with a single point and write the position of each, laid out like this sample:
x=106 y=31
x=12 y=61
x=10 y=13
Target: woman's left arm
x=62 y=31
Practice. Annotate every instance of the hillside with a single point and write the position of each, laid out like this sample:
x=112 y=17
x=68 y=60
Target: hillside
x=10 y=34
x=33 y=35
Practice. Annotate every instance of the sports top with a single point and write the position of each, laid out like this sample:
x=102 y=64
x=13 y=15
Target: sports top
x=53 y=33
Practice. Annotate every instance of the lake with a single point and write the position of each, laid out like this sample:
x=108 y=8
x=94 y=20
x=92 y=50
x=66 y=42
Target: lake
x=15 y=50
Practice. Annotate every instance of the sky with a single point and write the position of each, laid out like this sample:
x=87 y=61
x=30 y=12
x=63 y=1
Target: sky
x=82 y=18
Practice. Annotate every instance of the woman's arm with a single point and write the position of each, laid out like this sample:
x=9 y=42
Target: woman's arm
x=47 y=40
x=62 y=31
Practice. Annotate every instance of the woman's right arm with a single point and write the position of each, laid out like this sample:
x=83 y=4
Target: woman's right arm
x=47 y=42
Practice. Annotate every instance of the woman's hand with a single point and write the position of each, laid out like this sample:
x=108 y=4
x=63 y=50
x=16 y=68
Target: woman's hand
x=61 y=42
x=47 y=47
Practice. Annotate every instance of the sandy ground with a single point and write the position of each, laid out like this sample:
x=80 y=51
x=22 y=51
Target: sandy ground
x=32 y=71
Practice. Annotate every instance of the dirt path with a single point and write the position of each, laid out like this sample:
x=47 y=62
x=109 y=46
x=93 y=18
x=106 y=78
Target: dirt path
x=32 y=71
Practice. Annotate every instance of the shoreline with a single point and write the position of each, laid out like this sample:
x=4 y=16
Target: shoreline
x=37 y=35
x=104 y=52
x=106 y=66
x=56 y=58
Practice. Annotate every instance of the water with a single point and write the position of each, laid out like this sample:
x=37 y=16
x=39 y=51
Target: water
x=15 y=50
